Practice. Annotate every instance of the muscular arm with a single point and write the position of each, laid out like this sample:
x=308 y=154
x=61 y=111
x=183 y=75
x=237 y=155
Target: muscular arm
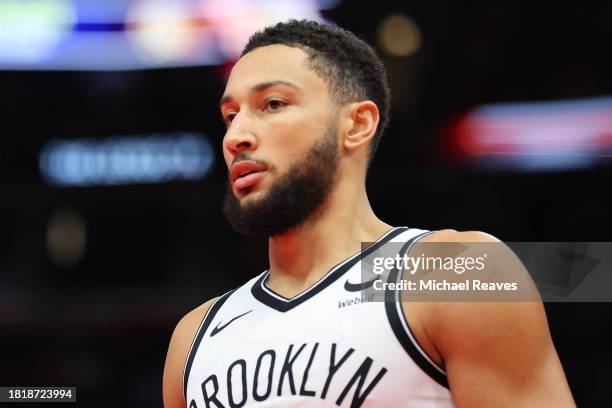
x=495 y=354
x=501 y=354
x=178 y=349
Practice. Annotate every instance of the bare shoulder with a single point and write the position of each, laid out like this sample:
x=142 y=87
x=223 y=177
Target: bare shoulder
x=466 y=323
x=427 y=319
x=451 y=235
x=501 y=261
x=188 y=325
x=180 y=343
x=503 y=347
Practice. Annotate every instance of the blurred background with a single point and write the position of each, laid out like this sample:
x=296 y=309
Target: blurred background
x=111 y=176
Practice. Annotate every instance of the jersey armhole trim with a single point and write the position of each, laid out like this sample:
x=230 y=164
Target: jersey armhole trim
x=206 y=320
x=401 y=328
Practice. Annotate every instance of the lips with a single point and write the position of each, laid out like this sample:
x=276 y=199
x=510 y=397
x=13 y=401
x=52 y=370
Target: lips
x=246 y=173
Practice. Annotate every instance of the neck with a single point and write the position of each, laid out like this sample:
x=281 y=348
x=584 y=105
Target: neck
x=302 y=255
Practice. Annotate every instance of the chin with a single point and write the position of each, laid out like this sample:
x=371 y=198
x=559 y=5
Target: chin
x=248 y=195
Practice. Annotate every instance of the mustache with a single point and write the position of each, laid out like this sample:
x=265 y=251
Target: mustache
x=246 y=157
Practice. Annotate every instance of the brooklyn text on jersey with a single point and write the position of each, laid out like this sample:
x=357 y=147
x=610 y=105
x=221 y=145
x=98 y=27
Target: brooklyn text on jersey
x=254 y=345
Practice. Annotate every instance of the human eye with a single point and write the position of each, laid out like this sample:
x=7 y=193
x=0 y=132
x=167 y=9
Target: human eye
x=228 y=117
x=274 y=104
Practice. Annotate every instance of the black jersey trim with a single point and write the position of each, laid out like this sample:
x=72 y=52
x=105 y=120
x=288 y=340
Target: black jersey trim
x=208 y=317
x=401 y=328
x=282 y=304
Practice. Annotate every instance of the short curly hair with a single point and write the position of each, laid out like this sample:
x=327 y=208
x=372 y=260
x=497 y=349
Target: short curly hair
x=346 y=63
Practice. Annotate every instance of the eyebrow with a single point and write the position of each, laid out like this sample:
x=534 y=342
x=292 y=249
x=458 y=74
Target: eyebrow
x=261 y=87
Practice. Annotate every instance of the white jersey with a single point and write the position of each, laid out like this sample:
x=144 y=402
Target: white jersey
x=324 y=347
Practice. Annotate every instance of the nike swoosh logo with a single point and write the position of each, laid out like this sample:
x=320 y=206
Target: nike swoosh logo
x=219 y=328
x=356 y=287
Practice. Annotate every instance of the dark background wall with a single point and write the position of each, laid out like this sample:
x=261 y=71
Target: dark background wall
x=154 y=252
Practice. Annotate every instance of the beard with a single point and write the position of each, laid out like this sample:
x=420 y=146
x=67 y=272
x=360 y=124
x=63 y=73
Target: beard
x=291 y=199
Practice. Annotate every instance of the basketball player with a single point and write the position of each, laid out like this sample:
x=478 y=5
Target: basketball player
x=305 y=107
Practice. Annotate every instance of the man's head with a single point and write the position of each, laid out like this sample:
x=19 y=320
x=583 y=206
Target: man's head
x=303 y=97
x=349 y=66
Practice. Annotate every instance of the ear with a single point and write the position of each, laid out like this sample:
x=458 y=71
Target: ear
x=361 y=124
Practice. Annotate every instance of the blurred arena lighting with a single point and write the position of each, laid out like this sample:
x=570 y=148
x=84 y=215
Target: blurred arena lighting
x=399 y=35
x=236 y=20
x=31 y=30
x=164 y=31
x=126 y=160
x=536 y=136
x=100 y=35
x=66 y=237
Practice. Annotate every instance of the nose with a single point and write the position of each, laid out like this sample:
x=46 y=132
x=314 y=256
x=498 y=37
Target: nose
x=238 y=139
